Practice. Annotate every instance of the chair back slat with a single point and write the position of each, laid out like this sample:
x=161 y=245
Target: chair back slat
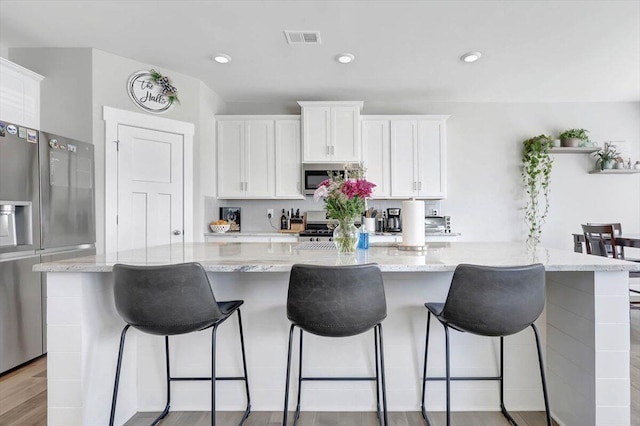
x=600 y=239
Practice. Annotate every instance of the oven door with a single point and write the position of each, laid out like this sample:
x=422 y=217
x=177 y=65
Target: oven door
x=433 y=224
x=313 y=178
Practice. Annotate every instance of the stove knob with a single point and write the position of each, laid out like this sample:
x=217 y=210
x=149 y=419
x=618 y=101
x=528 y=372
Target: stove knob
x=330 y=239
x=311 y=239
x=317 y=239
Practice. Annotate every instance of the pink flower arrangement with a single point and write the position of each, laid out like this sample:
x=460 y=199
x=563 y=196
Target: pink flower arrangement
x=345 y=197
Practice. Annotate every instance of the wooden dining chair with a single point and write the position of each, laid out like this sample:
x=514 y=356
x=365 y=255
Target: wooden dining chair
x=600 y=240
x=617 y=231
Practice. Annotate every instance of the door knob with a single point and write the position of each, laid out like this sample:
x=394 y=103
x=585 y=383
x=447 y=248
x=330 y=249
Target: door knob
x=177 y=232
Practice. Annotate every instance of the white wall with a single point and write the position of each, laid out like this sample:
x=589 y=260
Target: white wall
x=484 y=148
x=80 y=81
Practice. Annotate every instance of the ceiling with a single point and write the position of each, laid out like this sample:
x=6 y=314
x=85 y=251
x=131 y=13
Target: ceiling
x=532 y=51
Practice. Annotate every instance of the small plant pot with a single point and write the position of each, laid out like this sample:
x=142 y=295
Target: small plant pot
x=608 y=164
x=571 y=142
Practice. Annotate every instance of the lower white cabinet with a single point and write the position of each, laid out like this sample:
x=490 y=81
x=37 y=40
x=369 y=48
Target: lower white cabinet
x=405 y=155
x=259 y=157
x=19 y=95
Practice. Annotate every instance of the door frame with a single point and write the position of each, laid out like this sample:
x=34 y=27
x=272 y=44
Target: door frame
x=114 y=117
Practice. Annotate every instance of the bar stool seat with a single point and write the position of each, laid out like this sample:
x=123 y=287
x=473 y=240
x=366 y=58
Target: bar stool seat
x=337 y=301
x=167 y=301
x=488 y=301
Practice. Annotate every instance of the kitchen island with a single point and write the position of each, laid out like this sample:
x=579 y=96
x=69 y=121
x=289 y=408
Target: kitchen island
x=585 y=328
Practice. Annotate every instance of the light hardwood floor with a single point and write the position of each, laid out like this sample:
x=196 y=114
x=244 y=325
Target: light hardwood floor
x=23 y=402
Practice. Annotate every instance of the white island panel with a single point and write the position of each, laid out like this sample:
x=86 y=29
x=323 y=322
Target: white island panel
x=584 y=296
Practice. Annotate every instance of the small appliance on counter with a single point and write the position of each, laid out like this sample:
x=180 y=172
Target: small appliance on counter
x=394 y=223
x=437 y=224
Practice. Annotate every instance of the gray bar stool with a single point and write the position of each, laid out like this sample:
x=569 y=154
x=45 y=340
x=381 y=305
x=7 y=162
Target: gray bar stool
x=167 y=301
x=489 y=301
x=337 y=301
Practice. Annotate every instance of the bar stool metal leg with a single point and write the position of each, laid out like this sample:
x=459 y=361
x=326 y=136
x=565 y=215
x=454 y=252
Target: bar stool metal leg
x=425 y=416
x=503 y=407
x=542 y=376
x=114 y=399
x=384 y=384
x=448 y=373
x=286 y=386
x=377 y=358
x=244 y=367
x=297 y=414
x=168 y=371
x=213 y=375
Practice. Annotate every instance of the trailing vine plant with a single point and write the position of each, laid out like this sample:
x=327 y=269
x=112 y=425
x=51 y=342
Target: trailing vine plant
x=536 y=176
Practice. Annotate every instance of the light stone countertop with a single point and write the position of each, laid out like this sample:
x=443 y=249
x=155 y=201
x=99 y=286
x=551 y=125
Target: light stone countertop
x=281 y=234
x=279 y=257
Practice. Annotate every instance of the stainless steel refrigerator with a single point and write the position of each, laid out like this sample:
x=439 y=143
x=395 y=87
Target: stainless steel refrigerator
x=47 y=213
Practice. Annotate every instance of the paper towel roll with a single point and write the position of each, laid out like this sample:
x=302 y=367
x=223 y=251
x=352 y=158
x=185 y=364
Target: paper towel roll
x=413 y=223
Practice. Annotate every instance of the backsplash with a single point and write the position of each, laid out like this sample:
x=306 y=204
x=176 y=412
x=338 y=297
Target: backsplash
x=254 y=212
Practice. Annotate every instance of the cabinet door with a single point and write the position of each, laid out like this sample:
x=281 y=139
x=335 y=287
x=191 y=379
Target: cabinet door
x=288 y=163
x=345 y=134
x=376 y=150
x=259 y=173
x=431 y=159
x=19 y=95
x=404 y=135
x=230 y=158
x=317 y=133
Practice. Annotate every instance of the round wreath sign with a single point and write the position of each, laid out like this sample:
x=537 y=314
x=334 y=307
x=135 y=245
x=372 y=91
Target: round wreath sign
x=151 y=91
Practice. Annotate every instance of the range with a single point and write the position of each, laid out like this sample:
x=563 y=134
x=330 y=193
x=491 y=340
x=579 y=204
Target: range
x=316 y=228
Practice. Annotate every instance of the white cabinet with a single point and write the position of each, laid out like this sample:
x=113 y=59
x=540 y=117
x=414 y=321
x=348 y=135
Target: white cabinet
x=247 y=151
x=19 y=95
x=418 y=157
x=405 y=155
x=331 y=132
x=288 y=163
x=376 y=150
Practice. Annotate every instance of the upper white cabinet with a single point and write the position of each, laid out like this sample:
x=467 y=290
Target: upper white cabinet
x=405 y=155
x=19 y=95
x=331 y=132
x=247 y=151
x=288 y=164
x=376 y=151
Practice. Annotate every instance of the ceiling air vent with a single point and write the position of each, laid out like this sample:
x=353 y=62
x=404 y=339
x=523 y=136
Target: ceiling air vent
x=302 y=37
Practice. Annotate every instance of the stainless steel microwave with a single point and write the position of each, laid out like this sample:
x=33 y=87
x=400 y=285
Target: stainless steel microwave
x=315 y=176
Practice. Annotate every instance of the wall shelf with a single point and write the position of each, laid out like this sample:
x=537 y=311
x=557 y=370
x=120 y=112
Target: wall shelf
x=615 y=171
x=577 y=150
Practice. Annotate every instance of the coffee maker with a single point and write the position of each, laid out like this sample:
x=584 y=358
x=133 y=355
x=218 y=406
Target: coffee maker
x=393 y=220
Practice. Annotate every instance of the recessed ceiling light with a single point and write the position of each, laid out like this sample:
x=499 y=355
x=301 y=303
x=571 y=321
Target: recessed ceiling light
x=221 y=58
x=345 y=58
x=470 y=57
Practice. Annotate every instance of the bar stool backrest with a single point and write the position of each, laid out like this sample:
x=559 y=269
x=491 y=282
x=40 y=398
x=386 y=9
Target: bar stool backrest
x=336 y=301
x=495 y=301
x=165 y=300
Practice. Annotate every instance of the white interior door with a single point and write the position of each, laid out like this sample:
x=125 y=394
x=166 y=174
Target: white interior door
x=150 y=188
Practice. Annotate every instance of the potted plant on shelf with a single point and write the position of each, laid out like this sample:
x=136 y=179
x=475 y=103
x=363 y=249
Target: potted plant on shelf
x=606 y=156
x=536 y=177
x=573 y=137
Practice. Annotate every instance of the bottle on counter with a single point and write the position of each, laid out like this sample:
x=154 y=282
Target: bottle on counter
x=363 y=240
x=283 y=221
x=288 y=224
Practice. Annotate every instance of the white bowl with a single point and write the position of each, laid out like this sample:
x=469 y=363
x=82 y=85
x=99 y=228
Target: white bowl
x=220 y=229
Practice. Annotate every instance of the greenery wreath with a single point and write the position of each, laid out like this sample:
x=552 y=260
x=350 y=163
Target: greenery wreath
x=168 y=89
